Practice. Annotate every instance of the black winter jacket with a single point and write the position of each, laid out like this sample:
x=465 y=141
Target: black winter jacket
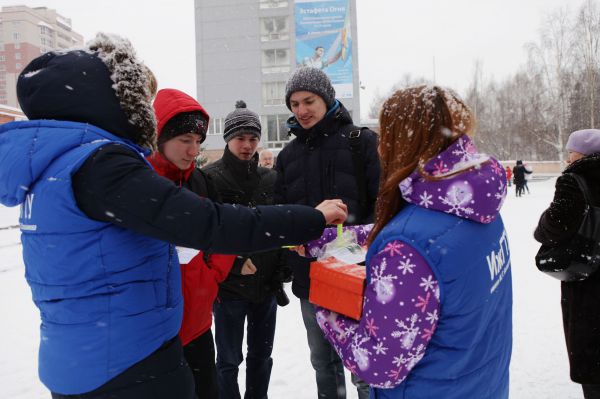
x=245 y=183
x=580 y=300
x=115 y=185
x=519 y=173
x=318 y=165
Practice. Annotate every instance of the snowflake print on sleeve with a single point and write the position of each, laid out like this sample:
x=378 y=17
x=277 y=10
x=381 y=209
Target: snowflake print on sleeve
x=315 y=247
x=400 y=315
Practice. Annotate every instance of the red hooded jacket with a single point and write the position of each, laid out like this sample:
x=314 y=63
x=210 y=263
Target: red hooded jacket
x=201 y=274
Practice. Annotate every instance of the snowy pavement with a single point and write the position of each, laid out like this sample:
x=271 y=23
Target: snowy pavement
x=539 y=368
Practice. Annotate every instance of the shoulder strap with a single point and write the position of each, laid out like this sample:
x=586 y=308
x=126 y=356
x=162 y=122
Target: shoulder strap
x=583 y=187
x=359 y=166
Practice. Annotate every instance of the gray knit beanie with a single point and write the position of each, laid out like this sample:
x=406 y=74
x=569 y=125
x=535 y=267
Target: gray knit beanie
x=241 y=121
x=313 y=80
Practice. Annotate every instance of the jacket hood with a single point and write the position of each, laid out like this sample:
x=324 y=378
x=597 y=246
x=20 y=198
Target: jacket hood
x=27 y=148
x=338 y=115
x=471 y=185
x=171 y=102
x=103 y=84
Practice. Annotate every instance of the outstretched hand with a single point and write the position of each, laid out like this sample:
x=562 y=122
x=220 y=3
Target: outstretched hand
x=335 y=211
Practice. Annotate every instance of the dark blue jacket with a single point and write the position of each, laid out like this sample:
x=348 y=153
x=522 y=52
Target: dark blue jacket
x=469 y=354
x=318 y=165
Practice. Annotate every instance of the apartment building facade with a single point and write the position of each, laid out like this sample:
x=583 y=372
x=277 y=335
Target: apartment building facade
x=247 y=49
x=25 y=33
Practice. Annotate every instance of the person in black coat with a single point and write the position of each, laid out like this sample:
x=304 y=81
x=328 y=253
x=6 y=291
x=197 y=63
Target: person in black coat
x=580 y=300
x=519 y=172
x=97 y=101
x=249 y=290
x=329 y=157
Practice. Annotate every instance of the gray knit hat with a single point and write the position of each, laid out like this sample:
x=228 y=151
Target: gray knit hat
x=241 y=121
x=313 y=80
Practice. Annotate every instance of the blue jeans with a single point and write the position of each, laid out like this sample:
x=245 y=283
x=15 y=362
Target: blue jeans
x=230 y=316
x=328 y=366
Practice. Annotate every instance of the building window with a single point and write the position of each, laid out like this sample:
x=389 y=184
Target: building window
x=2 y=58
x=17 y=56
x=277 y=131
x=18 y=65
x=17 y=46
x=273 y=3
x=276 y=60
x=215 y=127
x=273 y=93
x=44 y=30
x=274 y=28
x=16 y=36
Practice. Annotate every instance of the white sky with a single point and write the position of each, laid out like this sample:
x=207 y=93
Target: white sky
x=395 y=37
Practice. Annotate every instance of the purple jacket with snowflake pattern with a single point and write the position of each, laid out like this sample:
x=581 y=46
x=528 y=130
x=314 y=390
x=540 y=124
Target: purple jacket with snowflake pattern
x=418 y=269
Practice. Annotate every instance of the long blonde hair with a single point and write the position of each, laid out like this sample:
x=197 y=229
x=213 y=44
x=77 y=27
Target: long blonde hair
x=416 y=124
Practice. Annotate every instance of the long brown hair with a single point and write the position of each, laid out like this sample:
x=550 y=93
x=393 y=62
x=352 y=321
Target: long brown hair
x=416 y=124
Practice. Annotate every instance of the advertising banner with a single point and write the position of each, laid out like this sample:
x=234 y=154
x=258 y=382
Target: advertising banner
x=323 y=40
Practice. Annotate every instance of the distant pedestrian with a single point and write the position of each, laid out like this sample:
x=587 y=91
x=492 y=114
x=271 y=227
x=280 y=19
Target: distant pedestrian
x=519 y=173
x=528 y=175
x=508 y=176
x=266 y=159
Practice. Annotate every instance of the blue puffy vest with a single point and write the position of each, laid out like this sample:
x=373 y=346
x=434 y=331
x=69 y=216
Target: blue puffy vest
x=468 y=356
x=108 y=297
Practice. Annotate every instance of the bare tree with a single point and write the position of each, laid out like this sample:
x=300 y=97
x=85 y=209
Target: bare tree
x=553 y=58
x=587 y=29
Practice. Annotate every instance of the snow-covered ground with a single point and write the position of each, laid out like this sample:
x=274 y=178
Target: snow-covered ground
x=539 y=367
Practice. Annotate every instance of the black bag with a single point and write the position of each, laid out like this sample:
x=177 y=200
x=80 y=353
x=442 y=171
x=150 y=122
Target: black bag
x=578 y=258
